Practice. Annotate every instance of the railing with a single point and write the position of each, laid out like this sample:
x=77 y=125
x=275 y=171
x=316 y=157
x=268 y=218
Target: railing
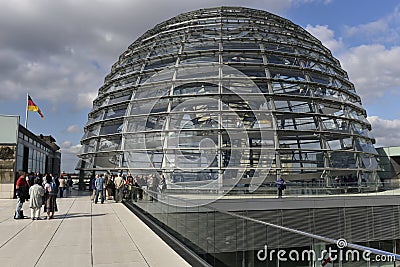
x=178 y=213
x=293 y=189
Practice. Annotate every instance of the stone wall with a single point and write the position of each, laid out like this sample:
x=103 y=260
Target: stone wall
x=7 y=171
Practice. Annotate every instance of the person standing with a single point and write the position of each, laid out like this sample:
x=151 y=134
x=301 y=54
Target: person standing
x=62 y=185
x=99 y=185
x=36 y=193
x=128 y=185
x=135 y=189
x=21 y=190
x=119 y=188
x=109 y=180
x=51 y=190
x=70 y=184
x=280 y=184
x=93 y=186
x=31 y=179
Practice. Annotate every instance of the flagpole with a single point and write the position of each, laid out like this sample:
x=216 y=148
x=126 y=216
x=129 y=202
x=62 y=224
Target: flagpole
x=26 y=111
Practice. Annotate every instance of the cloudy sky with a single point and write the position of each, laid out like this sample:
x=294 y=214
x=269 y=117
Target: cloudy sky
x=60 y=51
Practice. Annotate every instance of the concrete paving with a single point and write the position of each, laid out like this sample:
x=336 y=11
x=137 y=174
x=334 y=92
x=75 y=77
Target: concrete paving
x=81 y=234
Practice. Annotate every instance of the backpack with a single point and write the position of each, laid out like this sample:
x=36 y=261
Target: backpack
x=53 y=188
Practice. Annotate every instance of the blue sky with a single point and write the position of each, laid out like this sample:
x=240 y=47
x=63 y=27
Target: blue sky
x=60 y=51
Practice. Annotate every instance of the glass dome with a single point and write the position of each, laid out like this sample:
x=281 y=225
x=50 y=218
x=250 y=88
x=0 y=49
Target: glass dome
x=229 y=96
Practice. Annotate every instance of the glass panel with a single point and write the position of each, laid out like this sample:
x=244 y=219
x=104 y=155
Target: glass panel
x=242 y=58
x=334 y=144
x=305 y=123
x=111 y=128
x=199 y=120
x=320 y=78
x=135 y=141
x=366 y=146
x=238 y=87
x=167 y=49
x=200 y=103
x=283 y=60
x=160 y=63
x=120 y=97
x=109 y=144
x=136 y=125
x=90 y=146
x=190 y=59
x=148 y=91
x=189 y=139
x=128 y=81
x=142 y=160
x=95 y=117
x=249 y=71
x=211 y=71
x=239 y=119
x=107 y=160
x=310 y=144
x=153 y=140
x=286 y=74
x=204 y=175
x=149 y=106
x=92 y=131
x=155 y=122
x=148 y=123
x=200 y=46
x=240 y=46
x=196 y=88
x=329 y=124
x=156 y=76
x=283 y=87
x=115 y=112
x=369 y=163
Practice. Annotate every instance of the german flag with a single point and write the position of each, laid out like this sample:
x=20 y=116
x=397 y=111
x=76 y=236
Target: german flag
x=33 y=107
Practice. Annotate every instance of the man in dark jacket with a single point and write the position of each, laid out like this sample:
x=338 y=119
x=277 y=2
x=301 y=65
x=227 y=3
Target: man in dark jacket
x=21 y=191
x=280 y=183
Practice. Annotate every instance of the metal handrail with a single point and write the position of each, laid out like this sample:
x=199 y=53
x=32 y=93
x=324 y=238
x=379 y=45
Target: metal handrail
x=314 y=236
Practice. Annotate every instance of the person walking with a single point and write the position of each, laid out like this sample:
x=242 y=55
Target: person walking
x=99 y=185
x=51 y=190
x=22 y=193
x=119 y=188
x=36 y=193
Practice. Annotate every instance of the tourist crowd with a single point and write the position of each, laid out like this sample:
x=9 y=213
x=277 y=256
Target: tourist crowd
x=40 y=190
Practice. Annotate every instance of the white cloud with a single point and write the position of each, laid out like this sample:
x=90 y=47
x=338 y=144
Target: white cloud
x=326 y=36
x=68 y=148
x=386 y=132
x=374 y=69
x=73 y=129
x=69 y=157
x=372 y=28
x=69 y=46
x=85 y=100
x=383 y=30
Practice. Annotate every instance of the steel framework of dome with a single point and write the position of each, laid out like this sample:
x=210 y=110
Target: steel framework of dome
x=230 y=95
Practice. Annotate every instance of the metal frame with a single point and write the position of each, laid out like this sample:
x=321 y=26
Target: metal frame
x=319 y=127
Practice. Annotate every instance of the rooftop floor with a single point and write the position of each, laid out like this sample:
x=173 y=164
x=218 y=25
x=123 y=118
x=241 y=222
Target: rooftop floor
x=81 y=234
